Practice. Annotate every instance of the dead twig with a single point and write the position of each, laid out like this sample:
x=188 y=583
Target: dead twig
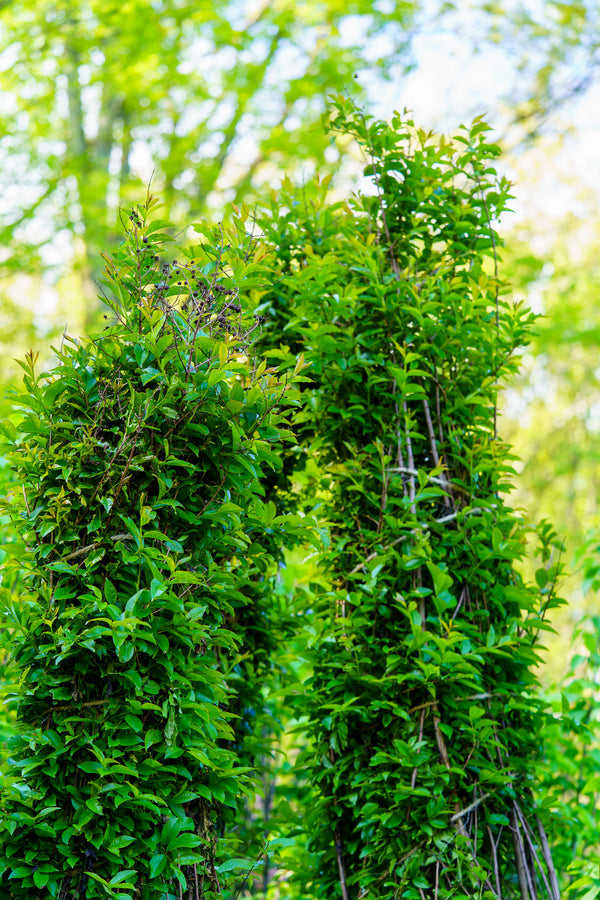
x=522 y=869
x=469 y=809
x=89 y=547
x=531 y=843
x=411 y=461
x=494 y=846
x=546 y=853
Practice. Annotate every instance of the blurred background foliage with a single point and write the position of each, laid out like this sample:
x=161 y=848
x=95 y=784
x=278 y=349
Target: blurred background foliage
x=214 y=103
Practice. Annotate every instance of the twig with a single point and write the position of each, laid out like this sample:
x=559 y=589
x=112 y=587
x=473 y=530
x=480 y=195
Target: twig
x=494 y=846
x=68 y=706
x=127 y=465
x=339 y=846
x=461 y=599
x=340 y=861
x=262 y=856
x=522 y=872
x=126 y=439
x=432 y=441
x=529 y=835
x=457 y=819
x=437 y=403
x=375 y=553
x=440 y=739
x=411 y=462
x=422 y=707
x=398 y=437
x=404 y=537
x=433 y=444
x=217 y=489
x=443 y=750
x=468 y=809
x=404 y=470
x=546 y=853
x=89 y=547
x=469 y=512
x=385 y=478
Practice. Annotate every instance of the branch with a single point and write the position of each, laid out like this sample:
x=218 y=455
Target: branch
x=469 y=512
x=528 y=834
x=411 y=460
x=68 y=706
x=468 y=809
x=403 y=537
x=376 y=553
x=522 y=871
x=340 y=860
x=433 y=444
x=404 y=470
x=494 y=846
x=83 y=550
x=555 y=893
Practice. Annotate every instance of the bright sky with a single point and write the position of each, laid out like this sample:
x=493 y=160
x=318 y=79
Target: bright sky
x=452 y=83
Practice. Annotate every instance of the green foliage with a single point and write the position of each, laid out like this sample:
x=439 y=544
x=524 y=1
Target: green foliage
x=572 y=751
x=423 y=716
x=144 y=536
x=158 y=648
x=572 y=784
x=8 y=592
x=210 y=97
x=560 y=449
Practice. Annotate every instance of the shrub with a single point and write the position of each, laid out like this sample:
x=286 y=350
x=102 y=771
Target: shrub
x=423 y=714
x=145 y=536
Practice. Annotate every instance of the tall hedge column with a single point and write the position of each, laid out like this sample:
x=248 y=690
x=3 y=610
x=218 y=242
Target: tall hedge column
x=140 y=455
x=426 y=729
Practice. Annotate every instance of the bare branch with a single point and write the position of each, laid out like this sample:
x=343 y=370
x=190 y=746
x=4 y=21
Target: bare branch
x=87 y=549
x=522 y=870
x=546 y=853
x=469 y=809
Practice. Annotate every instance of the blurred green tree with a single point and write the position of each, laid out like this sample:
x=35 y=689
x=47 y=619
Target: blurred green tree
x=555 y=46
x=211 y=98
x=553 y=414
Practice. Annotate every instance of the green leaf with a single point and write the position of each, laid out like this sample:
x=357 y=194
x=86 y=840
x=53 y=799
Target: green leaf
x=237 y=865
x=157 y=864
x=122 y=876
x=123 y=840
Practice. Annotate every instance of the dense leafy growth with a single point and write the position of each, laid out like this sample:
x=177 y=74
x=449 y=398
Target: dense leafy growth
x=422 y=709
x=145 y=535
x=158 y=495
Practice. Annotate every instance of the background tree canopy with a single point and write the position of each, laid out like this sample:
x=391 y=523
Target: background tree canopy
x=212 y=99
